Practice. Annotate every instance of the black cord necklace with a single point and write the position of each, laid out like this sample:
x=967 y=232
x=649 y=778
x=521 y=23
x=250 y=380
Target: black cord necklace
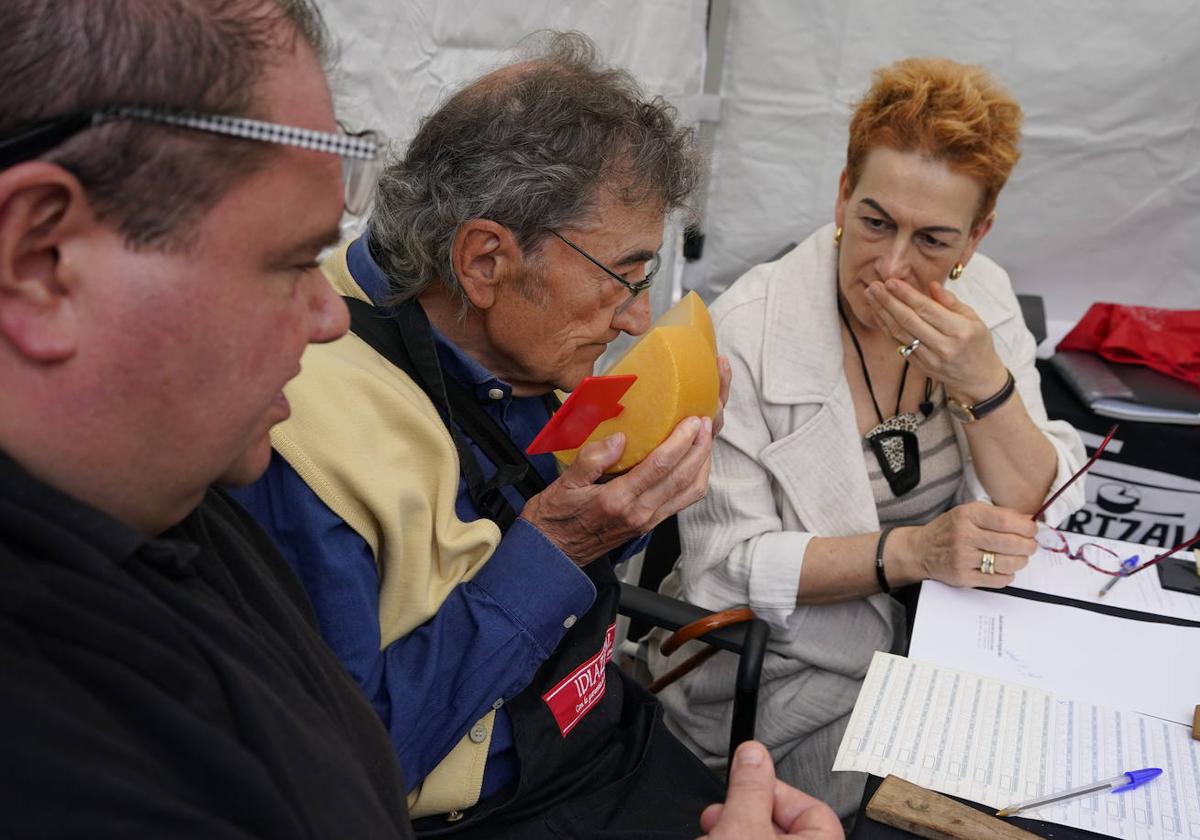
x=894 y=441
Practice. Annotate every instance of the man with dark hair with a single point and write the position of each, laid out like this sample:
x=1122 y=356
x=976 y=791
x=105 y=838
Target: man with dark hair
x=469 y=590
x=162 y=672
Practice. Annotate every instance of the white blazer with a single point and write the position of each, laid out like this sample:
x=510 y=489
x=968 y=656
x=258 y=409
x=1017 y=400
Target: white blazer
x=788 y=466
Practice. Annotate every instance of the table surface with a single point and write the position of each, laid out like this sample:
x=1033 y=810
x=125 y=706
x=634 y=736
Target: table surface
x=867 y=829
x=1168 y=448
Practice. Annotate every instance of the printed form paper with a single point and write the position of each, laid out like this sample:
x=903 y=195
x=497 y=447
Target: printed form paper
x=1071 y=652
x=998 y=743
x=1056 y=574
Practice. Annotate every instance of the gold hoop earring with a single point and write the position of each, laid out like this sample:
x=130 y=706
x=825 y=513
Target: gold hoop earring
x=957 y=271
x=837 y=237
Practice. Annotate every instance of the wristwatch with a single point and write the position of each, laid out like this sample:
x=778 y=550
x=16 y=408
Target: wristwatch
x=971 y=413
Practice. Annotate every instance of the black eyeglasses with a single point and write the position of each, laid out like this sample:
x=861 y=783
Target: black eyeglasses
x=634 y=289
x=362 y=153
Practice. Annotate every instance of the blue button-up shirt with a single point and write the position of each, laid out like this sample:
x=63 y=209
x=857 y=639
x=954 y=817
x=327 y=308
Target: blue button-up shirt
x=489 y=636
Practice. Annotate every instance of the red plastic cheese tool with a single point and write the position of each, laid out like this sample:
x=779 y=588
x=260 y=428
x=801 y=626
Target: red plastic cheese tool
x=594 y=400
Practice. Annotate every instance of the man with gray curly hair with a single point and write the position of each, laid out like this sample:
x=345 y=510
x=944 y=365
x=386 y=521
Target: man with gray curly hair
x=471 y=590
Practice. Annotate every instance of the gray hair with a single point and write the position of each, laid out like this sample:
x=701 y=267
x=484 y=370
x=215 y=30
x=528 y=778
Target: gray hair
x=151 y=182
x=528 y=147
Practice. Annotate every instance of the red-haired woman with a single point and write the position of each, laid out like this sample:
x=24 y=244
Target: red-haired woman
x=885 y=424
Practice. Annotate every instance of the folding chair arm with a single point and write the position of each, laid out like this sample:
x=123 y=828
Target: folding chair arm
x=671 y=614
x=749 y=641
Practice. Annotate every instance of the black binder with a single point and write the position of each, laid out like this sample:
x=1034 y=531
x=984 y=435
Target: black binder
x=1128 y=392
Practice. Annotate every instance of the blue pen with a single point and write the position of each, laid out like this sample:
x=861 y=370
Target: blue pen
x=1127 y=567
x=1126 y=781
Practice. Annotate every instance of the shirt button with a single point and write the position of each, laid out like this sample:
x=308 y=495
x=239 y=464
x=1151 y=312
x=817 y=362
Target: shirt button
x=570 y=622
x=479 y=733
x=499 y=702
x=496 y=394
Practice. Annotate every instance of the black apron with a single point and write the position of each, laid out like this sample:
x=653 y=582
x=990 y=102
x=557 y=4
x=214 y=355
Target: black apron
x=595 y=758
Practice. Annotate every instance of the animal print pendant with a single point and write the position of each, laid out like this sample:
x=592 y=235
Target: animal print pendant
x=894 y=442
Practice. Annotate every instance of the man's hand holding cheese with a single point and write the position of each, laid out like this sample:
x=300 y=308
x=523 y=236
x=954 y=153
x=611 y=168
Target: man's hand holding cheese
x=681 y=390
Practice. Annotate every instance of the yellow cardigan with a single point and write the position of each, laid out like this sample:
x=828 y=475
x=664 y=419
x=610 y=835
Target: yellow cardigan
x=367 y=440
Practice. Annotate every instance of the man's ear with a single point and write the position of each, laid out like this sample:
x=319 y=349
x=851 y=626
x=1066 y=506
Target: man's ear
x=484 y=255
x=42 y=206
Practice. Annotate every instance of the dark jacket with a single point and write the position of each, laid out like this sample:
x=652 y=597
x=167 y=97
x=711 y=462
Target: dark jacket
x=173 y=687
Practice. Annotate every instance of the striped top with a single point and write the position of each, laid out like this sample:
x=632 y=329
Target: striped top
x=941 y=474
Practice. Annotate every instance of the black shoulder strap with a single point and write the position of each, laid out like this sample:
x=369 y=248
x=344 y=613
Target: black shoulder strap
x=405 y=338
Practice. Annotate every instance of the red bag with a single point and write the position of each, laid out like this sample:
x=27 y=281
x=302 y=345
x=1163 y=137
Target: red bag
x=1165 y=340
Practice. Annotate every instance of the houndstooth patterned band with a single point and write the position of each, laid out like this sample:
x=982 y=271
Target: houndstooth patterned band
x=361 y=147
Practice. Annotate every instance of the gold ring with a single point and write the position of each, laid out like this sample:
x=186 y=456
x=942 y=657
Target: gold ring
x=906 y=350
x=988 y=566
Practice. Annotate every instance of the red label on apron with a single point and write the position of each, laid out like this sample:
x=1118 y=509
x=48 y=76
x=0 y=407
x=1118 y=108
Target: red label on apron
x=581 y=689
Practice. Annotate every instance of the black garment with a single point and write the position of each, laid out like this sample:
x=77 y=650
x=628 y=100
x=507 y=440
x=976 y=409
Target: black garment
x=595 y=758
x=173 y=687
x=618 y=774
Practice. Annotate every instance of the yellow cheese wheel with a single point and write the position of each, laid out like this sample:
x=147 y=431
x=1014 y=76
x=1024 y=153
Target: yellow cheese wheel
x=676 y=366
x=689 y=312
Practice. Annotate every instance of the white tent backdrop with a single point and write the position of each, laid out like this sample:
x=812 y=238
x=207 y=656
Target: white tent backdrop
x=1104 y=205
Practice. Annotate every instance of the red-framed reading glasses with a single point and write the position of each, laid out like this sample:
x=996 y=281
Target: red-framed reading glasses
x=1094 y=556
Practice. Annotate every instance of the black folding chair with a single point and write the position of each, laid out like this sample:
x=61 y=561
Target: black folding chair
x=735 y=630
